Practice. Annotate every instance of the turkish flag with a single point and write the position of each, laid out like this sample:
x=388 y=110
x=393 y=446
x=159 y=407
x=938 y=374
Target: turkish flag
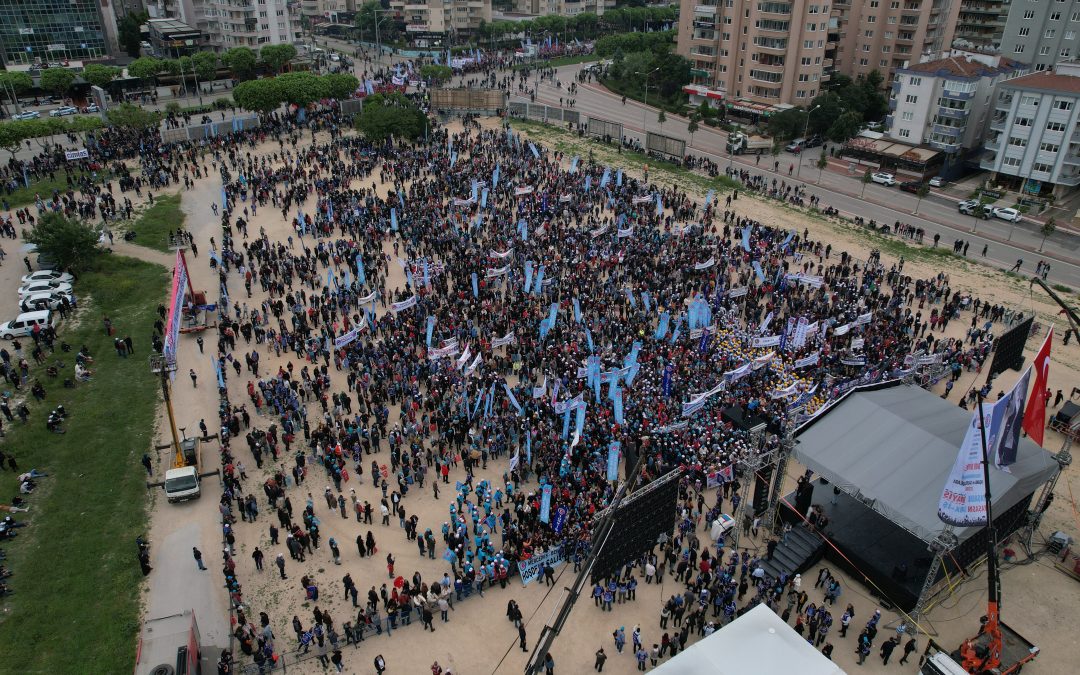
x=1035 y=415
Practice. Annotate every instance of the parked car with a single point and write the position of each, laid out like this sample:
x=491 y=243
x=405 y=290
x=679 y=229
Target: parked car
x=28 y=115
x=92 y=108
x=64 y=111
x=974 y=207
x=39 y=301
x=813 y=142
x=796 y=146
x=47 y=275
x=44 y=287
x=910 y=186
x=24 y=324
x=937 y=181
x=1009 y=214
x=886 y=179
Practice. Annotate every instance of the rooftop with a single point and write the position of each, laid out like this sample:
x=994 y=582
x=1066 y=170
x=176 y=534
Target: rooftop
x=958 y=66
x=1046 y=81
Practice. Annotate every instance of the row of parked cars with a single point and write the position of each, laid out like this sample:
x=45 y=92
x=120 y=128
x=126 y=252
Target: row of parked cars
x=62 y=111
x=41 y=292
x=971 y=207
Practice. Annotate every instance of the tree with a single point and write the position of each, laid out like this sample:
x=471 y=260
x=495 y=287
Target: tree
x=130 y=116
x=277 y=56
x=389 y=115
x=241 y=61
x=70 y=243
x=1046 y=230
x=129 y=32
x=302 y=88
x=368 y=15
x=822 y=162
x=692 y=126
x=867 y=177
x=205 y=65
x=435 y=74
x=99 y=75
x=787 y=124
x=261 y=96
x=14 y=83
x=923 y=190
x=845 y=127
x=57 y=80
x=341 y=85
x=661 y=118
x=145 y=68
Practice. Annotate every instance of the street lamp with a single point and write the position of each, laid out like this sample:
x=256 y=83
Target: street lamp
x=806 y=130
x=645 y=112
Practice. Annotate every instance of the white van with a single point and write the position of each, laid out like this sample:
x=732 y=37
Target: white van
x=24 y=324
x=182 y=484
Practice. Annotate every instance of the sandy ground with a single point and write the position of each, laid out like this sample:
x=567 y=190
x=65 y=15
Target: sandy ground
x=478 y=639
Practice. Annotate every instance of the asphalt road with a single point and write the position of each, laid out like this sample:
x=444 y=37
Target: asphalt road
x=936 y=214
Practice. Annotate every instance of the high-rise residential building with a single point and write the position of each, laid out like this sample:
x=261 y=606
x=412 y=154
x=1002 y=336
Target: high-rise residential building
x=46 y=31
x=764 y=51
x=1033 y=144
x=562 y=7
x=885 y=35
x=980 y=24
x=446 y=17
x=947 y=103
x=234 y=23
x=1042 y=33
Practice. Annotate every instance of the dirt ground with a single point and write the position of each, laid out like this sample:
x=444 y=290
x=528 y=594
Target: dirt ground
x=478 y=638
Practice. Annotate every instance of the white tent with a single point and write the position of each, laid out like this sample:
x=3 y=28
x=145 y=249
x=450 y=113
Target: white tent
x=757 y=642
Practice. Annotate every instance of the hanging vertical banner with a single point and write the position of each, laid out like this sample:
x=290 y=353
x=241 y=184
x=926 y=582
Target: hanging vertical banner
x=495 y=176
x=393 y=219
x=618 y=178
x=963 y=501
x=430 y=328
x=539 y=280
x=709 y=196
x=361 y=277
x=176 y=305
x=606 y=178
x=613 y=461
x=545 y=504
x=662 y=326
x=577 y=311
x=746 y=238
x=617 y=403
x=475 y=286
x=665 y=384
x=528 y=275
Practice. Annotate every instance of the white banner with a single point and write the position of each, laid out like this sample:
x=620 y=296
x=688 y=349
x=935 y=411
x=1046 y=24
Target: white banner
x=762 y=361
x=643 y=200
x=811 y=360
x=808 y=279
x=504 y=340
x=521 y=191
x=464 y=202
x=500 y=256
x=842 y=330
x=405 y=304
x=345 y=339
x=767 y=341
x=367 y=298
x=738 y=292
x=598 y=231
x=493 y=272
x=963 y=500
x=530 y=570
x=81 y=153
x=863 y=319
x=705 y=265
x=442 y=352
x=623 y=234
x=464 y=358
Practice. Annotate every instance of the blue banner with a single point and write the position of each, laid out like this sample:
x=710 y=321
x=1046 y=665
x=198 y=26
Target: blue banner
x=577 y=311
x=662 y=327
x=617 y=403
x=475 y=286
x=427 y=275
x=613 y=461
x=709 y=196
x=560 y=519
x=566 y=423
x=430 y=328
x=665 y=383
x=645 y=299
x=475 y=189
x=606 y=178
x=757 y=270
x=618 y=178
x=528 y=275
x=545 y=504
x=393 y=219
x=746 y=238
x=360 y=275
x=588 y=337
x=539 y=280
x=528 y=447
x=513 y=399
x=495 y=176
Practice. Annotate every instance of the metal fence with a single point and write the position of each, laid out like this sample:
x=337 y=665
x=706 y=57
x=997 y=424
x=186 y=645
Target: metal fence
x=668 y=146
x=543 y=113
x=199 y=132
x=604 y=129
x=462 y=99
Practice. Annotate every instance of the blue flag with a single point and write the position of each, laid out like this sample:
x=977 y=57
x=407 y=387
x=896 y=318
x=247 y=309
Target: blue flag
x=539 y=280
x=613 y=461
x=746 y=238
x=606 y=178
x=360 y=276
x=393 y=219
x=645 y=300
x=588 y=183
x=545 y=504
x=430 y=328
x=617 y=404
x=475 y=286
x=618 y=178
x=528 y=275
x=662 y=327
x=577 y=311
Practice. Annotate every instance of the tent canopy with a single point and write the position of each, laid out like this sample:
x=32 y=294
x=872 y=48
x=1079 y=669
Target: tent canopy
x=895 y=445
x=756 y=642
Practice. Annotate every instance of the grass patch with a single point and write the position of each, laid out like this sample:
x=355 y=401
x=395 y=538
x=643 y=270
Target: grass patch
x=1062 y=288
x=76 y=579
x=153 y=226
x=25 y=196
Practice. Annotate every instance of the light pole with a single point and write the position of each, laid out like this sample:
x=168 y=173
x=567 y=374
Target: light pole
x=806 y=130
x=645 y=111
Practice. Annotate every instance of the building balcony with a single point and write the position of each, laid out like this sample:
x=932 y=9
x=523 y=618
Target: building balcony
x=703 y=55
x=944 y=147
x=953 y=113
x=705 y=9
x=704 y=23
x=957 y=95
x=775 y=67
x=992 y=144
x=779 y=49
x=1071 y=159
x=892 y=104
x=954 y=132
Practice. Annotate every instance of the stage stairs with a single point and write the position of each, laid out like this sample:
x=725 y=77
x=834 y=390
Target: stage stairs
x=802 y=550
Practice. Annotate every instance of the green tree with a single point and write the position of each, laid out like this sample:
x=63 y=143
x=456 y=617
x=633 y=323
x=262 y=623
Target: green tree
x=692 y=126
x=57 y=80
x=1046 y=230
x=277 y=56
x=341 y=85
x=258 y=95
x=99 y=75
x=241 y=61
x=389 y=115
x=866 y=179
x=822 y=162
x=367 y=16
x=845 y=127
x=436 y=74
x=787 y=124
x=661 y=118
x=130 y=116
x=129 y=33
x=302 y=88
x=70 y=243
x=14 y=84
x=146 y=67
x=921 y=193
x=205 y=65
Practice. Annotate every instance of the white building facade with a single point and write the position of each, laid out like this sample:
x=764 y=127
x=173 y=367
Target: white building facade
x=1034 y=142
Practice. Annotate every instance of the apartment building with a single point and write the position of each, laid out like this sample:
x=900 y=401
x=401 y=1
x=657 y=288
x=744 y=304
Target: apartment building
x=562 y=7
x=442 y=16
x=235 y=23
x=980 y=24
x=947 y=103
x=763 y=51
x=1042 y=33
x=327 y=11
x=886 y=35
x=1033 y=144
x=44 y=31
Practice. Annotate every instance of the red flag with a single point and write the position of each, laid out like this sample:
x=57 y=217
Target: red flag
x=1035 y=415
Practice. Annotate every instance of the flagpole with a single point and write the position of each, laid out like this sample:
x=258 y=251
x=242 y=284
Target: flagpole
x=994 y=587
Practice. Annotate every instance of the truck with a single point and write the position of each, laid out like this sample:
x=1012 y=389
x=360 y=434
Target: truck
x=1013 y=651
x=172 y=645
x=739 y=143
x=182 y=481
